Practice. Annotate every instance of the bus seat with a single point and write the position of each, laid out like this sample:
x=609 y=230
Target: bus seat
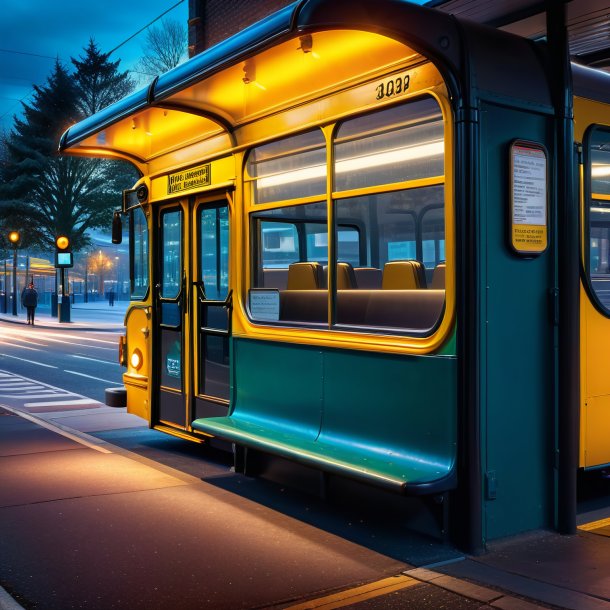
x=275 y=278
x=403 y=275
x=438 y=277
x=368 y=278
x=346 y=279
x=305 y=276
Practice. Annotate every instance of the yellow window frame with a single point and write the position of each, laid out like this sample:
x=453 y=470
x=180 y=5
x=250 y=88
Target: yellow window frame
x=355 y=338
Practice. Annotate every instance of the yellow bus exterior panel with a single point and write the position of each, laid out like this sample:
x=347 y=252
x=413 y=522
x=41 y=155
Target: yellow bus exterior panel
x=596 y=423
x=138 y=330
x=594 y=331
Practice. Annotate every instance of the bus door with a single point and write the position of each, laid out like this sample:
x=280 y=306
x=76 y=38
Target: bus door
x=193 y=312
x=170 y=301
x=211 y=302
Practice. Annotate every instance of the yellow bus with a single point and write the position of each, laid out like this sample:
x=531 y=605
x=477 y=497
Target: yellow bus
x=348 y=250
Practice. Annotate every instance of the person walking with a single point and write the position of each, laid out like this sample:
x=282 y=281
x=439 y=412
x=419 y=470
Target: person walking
x=29 y=299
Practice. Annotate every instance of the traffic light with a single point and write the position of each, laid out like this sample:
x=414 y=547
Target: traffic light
x=63 y=252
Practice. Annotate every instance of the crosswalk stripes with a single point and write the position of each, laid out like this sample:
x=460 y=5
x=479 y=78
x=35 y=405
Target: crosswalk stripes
x=22 y=391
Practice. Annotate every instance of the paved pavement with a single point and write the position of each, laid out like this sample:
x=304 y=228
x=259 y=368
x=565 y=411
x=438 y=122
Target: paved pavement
x=86 y=523
x=96 y=315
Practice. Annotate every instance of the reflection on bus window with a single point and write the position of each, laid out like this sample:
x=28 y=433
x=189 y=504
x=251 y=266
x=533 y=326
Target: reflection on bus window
x=288 y=169
x=394 y=145
x=599 y=216
x=171 y=261
x=139 y=254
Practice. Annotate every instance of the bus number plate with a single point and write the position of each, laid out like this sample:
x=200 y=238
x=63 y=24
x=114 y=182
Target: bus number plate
x=393 y=86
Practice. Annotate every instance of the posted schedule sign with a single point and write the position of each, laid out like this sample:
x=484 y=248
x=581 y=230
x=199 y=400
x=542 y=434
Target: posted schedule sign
x=529 y=197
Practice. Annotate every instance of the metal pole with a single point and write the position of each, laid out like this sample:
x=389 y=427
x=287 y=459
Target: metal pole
x=15 y=281
x=568 y=384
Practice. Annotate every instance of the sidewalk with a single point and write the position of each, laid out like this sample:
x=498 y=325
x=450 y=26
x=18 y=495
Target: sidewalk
x=97 y=315
x=85 y=522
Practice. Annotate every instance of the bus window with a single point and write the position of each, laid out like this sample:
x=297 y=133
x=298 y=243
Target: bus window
x=433 y=238
x=214 y=233
x=292 y=247
x=398 y=144
x=598 y=254
x=403 y=228
x=291 y=168
x=138 y=243
x=393 y=224
x=171 y=259
x=389 y=224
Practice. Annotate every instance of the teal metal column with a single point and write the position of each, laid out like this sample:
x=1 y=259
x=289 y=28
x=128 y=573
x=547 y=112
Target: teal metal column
x=568 y=383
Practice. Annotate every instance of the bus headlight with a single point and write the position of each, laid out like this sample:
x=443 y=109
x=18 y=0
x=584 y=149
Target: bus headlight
x=136 y=359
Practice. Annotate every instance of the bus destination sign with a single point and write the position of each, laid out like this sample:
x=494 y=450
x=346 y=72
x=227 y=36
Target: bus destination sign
x=189 y=179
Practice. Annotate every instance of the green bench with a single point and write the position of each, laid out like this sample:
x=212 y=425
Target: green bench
x=381 y=419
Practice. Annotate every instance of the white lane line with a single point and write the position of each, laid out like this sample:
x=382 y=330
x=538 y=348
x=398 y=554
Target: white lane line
x=57 y=428
x=52 y=337
x=94 y=359
x=49 y=366
x=22 y=340
x=17 y=345
x=92 y=377
x=80 y=401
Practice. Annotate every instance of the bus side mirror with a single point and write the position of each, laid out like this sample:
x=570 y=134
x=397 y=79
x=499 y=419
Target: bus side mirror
x=117 y=228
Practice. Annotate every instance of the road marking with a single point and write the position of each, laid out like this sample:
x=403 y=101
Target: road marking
x=52 y=337
x=18 y=346
x=50 y=391
x=49 y=366
x=358 y=594
x=59 y=429
x=92 y=377
x=80 y=401
x=94 y=359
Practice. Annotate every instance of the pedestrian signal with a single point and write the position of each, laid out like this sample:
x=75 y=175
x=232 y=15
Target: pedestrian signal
x=63 y=252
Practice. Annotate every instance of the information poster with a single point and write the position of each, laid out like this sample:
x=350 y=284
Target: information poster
x=265 y=304
x=529 y=198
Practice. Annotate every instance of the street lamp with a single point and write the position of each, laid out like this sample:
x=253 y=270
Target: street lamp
x=14 y=237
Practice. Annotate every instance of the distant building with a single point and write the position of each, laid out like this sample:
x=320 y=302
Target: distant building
x=211 y=21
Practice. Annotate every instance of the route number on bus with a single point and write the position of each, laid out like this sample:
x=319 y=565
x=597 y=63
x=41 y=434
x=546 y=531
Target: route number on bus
x=393 y=86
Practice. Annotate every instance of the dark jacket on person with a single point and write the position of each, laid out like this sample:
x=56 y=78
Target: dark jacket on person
x=29 y=297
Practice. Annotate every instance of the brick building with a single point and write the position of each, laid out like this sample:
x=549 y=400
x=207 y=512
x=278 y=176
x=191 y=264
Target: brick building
x=211 y=21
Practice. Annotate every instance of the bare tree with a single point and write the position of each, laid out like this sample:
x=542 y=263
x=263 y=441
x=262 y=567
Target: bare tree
x=164 y=48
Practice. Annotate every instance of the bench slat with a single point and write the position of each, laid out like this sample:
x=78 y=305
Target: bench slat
x=393 y=472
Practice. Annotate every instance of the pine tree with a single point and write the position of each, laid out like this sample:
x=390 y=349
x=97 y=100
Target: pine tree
x=43 y=194
x=98 y=80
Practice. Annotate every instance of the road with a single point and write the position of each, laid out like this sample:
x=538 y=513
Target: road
x=80 y=362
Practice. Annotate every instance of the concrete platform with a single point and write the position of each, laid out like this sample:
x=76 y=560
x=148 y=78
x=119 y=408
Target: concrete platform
x=85 y=523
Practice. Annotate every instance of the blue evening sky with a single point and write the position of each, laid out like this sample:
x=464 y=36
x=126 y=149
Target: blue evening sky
x=34 y=32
